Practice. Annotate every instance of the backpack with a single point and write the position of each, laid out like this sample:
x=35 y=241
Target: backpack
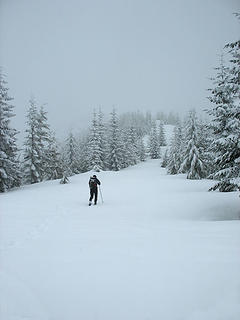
x=92 y=183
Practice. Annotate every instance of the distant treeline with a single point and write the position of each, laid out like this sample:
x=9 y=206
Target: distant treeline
x=198 y=148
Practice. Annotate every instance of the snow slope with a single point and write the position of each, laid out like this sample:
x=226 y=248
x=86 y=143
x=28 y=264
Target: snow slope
x=160 y=247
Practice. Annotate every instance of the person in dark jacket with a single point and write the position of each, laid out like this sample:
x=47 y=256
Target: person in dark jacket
x=93 y=185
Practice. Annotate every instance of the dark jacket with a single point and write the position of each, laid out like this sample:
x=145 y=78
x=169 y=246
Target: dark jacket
x=93 y=182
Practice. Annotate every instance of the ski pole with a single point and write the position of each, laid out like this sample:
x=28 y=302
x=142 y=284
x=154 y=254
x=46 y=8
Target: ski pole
x=101 y=193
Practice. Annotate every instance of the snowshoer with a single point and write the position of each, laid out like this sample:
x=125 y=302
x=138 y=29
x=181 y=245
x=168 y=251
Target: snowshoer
x=93 y=185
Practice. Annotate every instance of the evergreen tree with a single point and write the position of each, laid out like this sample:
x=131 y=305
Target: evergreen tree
x=165 y=159
x=234 y=78
x=154 y=149
x=32 y=153
x=204 y=143
x=71 y=156
x=83 y=143
x=226 y=122
x=44 y=144
x=102 y=140
x=161 y=135
x=192 y=162
x=130 y=147
x=141 y=151
x=176 y=150
x=115 y=152
x=53 y=165
x=94 y=147
x=9 y=166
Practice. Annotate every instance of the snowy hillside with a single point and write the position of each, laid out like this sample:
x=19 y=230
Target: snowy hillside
x=159 y=247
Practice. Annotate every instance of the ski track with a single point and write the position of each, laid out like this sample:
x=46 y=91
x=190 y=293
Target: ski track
x=160 y=247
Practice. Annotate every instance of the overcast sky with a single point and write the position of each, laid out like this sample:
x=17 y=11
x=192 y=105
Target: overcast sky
x=75 y=55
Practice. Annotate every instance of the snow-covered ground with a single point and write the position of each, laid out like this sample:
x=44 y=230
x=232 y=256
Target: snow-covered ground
x=160 y=247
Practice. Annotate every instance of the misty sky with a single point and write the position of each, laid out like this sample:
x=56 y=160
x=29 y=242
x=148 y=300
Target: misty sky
x=75 y=55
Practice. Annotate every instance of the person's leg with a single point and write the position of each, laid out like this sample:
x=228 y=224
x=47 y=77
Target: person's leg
x=96 y=195
x=91 y=195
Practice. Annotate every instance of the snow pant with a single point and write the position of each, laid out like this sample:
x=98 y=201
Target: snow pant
x=93 y=193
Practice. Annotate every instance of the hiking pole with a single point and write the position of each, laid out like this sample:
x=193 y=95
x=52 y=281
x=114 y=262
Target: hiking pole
x=101 y=193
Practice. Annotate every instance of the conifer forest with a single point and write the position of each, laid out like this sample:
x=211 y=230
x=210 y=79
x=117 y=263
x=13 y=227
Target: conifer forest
x=200 y=148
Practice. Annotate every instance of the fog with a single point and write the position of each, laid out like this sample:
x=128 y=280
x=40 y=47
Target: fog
x=74 y=56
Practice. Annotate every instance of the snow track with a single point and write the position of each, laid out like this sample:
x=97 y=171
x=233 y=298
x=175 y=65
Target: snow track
x=160 y=247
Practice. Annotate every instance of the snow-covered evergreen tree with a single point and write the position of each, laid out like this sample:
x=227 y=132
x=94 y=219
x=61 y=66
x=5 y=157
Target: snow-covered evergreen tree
x=133 y=140
x=83 y=143
x=176 y=150
x=44 y=140
x=165 y=159
x=161 y=135
x=102 y=140
x=9 y=166
x=115 y=144
x=32 y=147
x=226 y=122
x=41 y=156
x=94 y=148
x=141 y=150
x=53 y=165
x=130 y=147
x=192 y=161
x=234 y=78
x=154 y=149
x=71 y=156
x=205 y=140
